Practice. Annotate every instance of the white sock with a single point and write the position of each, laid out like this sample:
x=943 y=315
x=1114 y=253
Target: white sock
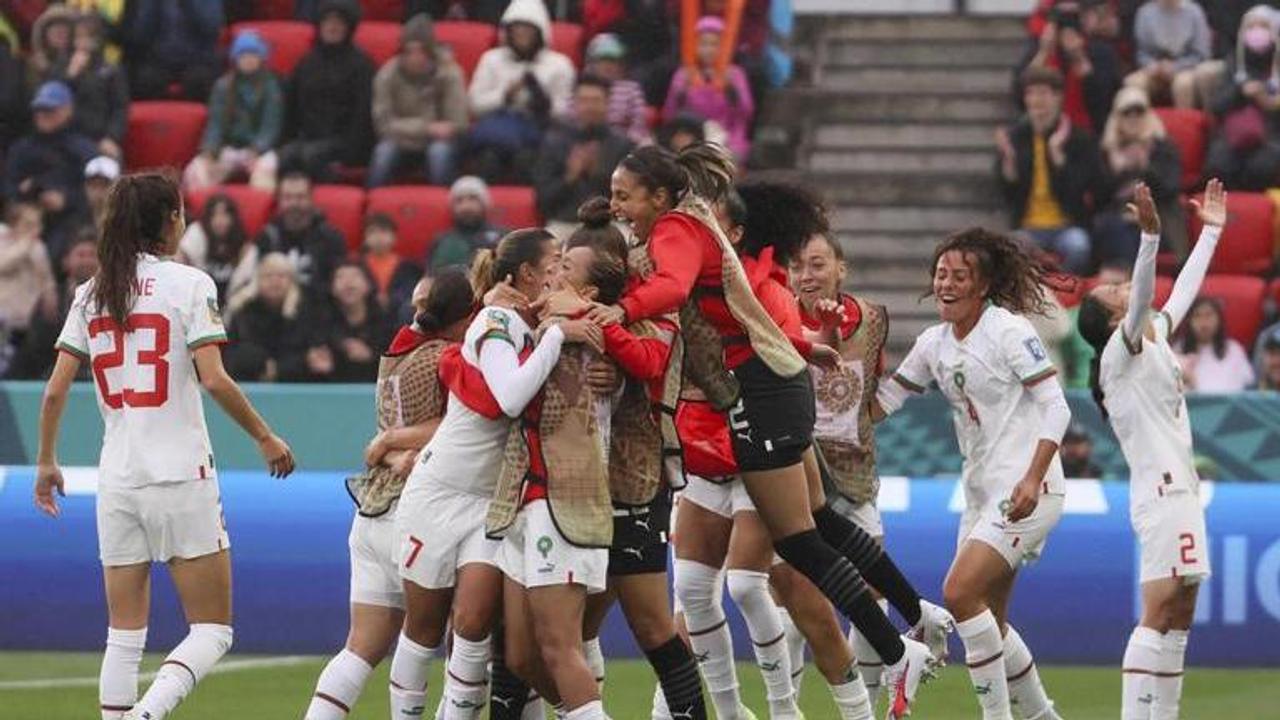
x=660 y=709
x=408 y=680
x=466 y=686
x=595 y=660
x=852 y=699
x=1142 y=658
x=750 y=592
x=184 y=668
x=984 y=652
x=593 y=710
x=795 y=648
x=1026 y=692
x=533 y=709
x=118 y=681
x=709 y=633
x=870 y=665
x=339 y=686
x=1169 y=682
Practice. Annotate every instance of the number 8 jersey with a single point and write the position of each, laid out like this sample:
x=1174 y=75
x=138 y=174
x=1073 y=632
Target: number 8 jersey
x=147 y=387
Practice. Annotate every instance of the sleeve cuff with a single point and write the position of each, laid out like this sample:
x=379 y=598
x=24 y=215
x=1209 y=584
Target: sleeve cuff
x=200 y=342
x=1042 y=375
x=72 y=350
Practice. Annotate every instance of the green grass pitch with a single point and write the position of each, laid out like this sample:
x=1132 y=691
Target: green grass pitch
x=63 y=686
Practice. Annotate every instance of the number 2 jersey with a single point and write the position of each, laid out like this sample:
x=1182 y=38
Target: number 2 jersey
x=147 y=387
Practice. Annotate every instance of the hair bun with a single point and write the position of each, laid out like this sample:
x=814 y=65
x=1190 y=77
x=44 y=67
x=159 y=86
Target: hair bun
x=428 y=322
x=595 y=213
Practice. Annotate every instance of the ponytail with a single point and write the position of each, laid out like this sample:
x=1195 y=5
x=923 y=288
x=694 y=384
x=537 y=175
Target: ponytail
x=481 y=272
x=516 y=248
x=139 y=211
x=1094 y=324
x=710 y=168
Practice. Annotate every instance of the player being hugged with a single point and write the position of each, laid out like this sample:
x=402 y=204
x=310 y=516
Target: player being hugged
x=1137 y=382
x=141 y=322
x=1009 y=414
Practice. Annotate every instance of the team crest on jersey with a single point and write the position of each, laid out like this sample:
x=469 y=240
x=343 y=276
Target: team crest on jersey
x=215 y=315
x=1036 y=348
x=497 y=320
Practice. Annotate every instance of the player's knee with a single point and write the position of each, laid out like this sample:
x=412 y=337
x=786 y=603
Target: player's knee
x=695 y=584
x=218 y=636
x=960 y=597
x=423 y=631
x=748 y=588
x=652 y=627
x=472 y=623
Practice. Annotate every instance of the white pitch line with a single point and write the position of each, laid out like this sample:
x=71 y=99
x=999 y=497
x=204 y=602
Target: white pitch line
x=226 y=667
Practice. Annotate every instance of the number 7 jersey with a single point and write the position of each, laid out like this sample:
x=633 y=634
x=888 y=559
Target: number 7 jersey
x=146 y=381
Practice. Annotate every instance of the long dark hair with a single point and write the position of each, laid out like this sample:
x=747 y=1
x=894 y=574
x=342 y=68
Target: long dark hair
x=1015 y=278
x=609 y=269
x=516 y=248
x=226 y=248
x=1094 y=322
x=782 y=216
x=706 y=169
x=140 y=209
x=1190 y=344
x=449 y=300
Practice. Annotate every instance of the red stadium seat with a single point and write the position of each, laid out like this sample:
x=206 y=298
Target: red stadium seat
x=289 y=40
x=1242 y=297
x=163 y=133
x=343 y=206
x=1248 y=239
x=273 y=9
x=392 y=10
x=255 y=205
x=469 y=40
x=381 y=40
x=514 y=207
x=1273 y=292
x=566 y=38
x=420 y=211
x=1189 y=130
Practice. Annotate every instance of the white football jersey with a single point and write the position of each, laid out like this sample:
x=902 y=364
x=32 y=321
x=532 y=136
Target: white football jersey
x=1144 y=398
x=984 y=376
x=146 y=381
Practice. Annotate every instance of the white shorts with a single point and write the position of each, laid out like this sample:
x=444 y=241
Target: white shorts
x=722 y=498
x=1172 y=539
x=535 y=554
x=157 y=523
x=375 y=574
x=1020 y=543
x=865 y=516
x=439 y=530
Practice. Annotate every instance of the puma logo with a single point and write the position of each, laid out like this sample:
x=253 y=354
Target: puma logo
x=682 y=714
x=636 y=551
x=503 y=701
x=643 y=523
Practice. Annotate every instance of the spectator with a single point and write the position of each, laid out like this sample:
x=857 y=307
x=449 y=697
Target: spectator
x=100 y=88
x=1268 y=360
x=329 y=101
x=1047 y=167
x=1077 y=454
x=300 y=232
x=26 y=278
x=469 y=205
x=99 y=173
x=517 y=88
x=172 y=42
x=1135 y=148
x=485 y=11
x=35 y=357
x=246 y=110
x=393 y=276
x=1090 y=68
x=51 y=44
x=357 y=329
x=753 y=32
x=13 y=100
x=1211 y=361
x=1244 y=150
x=218 y=244
x=642 y=28
x=628 y=114
x=578 y=158
x=725 y=101
x=47 y=166
x=109 y=13
x=268 y=340
x=1173 y=38
x=680 y=132
x=419 y=107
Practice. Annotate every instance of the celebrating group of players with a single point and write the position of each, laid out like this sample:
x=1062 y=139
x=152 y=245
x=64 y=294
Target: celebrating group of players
x=556 y=422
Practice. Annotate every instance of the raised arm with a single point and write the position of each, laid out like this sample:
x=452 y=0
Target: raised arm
x=1213 y=213
x=1143 y=289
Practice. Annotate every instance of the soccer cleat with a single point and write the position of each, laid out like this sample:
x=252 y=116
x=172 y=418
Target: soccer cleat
x=916 y=666
x=932 y=630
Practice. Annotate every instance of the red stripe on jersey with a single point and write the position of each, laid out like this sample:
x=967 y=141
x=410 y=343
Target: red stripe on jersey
x=202 y=477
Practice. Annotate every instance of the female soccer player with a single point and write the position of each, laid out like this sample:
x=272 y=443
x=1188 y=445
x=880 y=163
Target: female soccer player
x=409 y=404
x=445 y=559
x=1138 y=385
x=141 y=322
x=1009 y=414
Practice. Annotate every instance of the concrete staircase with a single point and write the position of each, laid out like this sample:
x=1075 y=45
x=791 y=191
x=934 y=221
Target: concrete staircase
x=895 y=125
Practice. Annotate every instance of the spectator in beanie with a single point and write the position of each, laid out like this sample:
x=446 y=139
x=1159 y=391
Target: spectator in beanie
x=628 y=114
x=246 y=111
x=419 y=107
x=469 y=205
x=1173 y=38
x=301 y=234
x=330 y=97
x=99 y=173
x=172 y=41
x=101 y=90
x=393 y=276
x=51 y=44
x=725 y=101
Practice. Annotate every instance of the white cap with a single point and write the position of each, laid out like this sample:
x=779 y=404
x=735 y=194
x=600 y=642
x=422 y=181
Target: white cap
x=102 y=167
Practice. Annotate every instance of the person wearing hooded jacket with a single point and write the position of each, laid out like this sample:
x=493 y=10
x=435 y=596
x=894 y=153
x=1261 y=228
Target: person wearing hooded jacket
x=329 y=99
x=100 y=88
x=419 y=107
x=50 y=44
x=1244 y=148
x=168 y=41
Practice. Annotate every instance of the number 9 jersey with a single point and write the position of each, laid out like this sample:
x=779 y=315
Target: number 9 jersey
x=147 y=387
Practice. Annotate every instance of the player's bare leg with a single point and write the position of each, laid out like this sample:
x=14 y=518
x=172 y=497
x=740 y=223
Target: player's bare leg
x=373 y=629
x=598 y=606
x=426 y=614
x=647 y=608
x=978 y=576
x=128 y=590
x=521 y=646
x=556 y=612
x=476 y=602
x=1154 y=658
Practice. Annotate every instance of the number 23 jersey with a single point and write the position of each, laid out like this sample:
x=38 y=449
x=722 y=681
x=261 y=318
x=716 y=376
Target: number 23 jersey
x=146 y=382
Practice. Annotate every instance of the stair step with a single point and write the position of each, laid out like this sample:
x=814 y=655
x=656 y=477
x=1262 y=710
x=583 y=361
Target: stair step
x=832 y=106
x=916 y=219
x=909 y=135
x=889 y=247
x=912 y=52
x=918 y=81
x=901 y=303
x=974 y=190
x=903 y=161
x=919 y=27
x=887 y=277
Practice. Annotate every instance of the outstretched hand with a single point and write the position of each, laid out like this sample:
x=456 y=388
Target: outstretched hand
x=1143 y=209
x=1213 y=209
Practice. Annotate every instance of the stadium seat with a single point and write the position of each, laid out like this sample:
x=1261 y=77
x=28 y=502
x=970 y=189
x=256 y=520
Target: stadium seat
x=255 y=205
x=1189 y=130
x=1273 y=292
x=421 y=212
x=163 y=133
x=343 y=206
x=1248 y=239
x=289 y=40
x=273 y=9
x=566 y=38
x=1242 y=298
x=469 y=40
x=381 y=40
x=514 y=207
x=390 y=10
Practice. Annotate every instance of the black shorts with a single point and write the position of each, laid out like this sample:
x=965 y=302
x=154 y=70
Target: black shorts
x=772 y=423
x=640 y=537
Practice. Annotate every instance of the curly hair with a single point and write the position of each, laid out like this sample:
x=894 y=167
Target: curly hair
x=1015 y=278
x=781 y=215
